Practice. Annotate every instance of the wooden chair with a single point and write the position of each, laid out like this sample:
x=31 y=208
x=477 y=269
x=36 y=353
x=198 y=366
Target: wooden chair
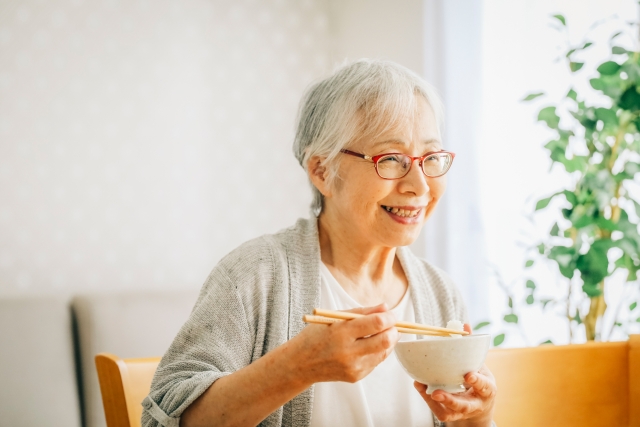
x=583 y=385
x=124 y=383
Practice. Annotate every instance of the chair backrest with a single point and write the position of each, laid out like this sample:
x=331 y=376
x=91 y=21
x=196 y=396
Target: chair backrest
x=585 y=385
x=124 y=383
x=129 y=324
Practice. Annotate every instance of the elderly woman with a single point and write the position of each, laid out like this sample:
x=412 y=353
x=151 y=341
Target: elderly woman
x=369 y=138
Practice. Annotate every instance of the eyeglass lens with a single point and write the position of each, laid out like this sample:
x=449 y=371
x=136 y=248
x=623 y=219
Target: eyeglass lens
x=397 y=165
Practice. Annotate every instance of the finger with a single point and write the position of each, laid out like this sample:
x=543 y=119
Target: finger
x=370 y=324
x=467 y=327
x=381 y=342
x=481 y=384
x=441 y=412
x=460 y=403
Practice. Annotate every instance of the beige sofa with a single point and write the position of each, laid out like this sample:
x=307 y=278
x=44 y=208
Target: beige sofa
x=47 y=346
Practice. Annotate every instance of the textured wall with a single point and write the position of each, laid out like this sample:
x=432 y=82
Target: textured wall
x=140 y=141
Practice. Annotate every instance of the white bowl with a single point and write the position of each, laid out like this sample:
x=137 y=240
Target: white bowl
x=442 y=362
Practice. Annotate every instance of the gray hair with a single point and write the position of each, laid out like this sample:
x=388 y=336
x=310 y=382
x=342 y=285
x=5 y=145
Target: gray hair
x=359 y=100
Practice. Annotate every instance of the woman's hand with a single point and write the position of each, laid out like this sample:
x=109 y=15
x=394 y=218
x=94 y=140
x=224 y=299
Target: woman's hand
x=474 y=407
x=346 y=351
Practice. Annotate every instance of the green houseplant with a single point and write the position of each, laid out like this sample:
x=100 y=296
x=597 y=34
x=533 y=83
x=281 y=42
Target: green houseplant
x=599 y=147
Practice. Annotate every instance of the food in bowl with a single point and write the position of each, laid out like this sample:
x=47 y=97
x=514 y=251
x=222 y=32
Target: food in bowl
x=441 y=362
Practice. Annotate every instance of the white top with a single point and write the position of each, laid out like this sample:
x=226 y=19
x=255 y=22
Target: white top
x=385 y=397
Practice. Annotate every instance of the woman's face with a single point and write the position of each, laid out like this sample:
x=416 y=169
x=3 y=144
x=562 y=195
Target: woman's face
x=361 y=199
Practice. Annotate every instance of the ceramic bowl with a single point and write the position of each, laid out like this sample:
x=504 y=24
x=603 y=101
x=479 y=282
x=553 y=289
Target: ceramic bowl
x=442 y=362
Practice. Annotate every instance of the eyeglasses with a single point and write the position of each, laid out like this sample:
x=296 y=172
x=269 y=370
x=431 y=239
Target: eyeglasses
x=396 y=166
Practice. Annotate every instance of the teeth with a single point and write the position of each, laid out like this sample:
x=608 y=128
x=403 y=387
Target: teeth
x=402 y=212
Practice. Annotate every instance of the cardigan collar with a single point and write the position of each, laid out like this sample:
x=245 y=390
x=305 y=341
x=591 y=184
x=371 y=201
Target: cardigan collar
x=303 y=256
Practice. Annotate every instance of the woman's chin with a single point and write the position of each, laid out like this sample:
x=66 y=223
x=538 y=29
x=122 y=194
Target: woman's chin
x=404 y=238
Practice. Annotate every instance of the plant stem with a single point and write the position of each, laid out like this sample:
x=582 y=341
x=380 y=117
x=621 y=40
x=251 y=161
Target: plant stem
x=598 y=305
x=596 y=310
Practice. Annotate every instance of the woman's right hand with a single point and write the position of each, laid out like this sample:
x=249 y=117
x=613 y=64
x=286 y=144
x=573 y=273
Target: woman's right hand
x=346 y=351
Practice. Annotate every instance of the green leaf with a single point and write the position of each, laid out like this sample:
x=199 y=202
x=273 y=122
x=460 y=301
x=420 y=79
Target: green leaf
x=561 y=19
x=565 y=257
x=608 y=68
x=571 y=197
x=510 y=303
x=592 y=290
x=499 y=339
x=586 y=45
x=608 y=117
x=630 y=99
x=638 y=320
x=532 y=96
x=555 y=230
x=545 y=302
x=549 y=116
x=530 y=284
x=594 y=266
x=529 y=263
x=576 y=163
x=631 y=168
x=633 y=306
x=541 y=248
x=543 y=203
x=597 y=84
x=615 y=35
x=481 y=325
x=617 y=50
x=530 y=299
x=547 y=342
x=511 y=318
x=575 y=66
x=572 y=94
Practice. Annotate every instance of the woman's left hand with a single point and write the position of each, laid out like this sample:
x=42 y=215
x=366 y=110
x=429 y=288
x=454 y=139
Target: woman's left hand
x=474 y=406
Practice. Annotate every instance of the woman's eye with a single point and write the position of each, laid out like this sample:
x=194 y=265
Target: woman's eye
x=389 y=159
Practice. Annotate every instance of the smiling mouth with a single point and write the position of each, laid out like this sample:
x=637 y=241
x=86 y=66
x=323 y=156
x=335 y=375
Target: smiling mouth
x=402 y=212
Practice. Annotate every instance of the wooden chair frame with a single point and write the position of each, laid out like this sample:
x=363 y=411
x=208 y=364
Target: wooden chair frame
x=124 y=383
x=581 y=385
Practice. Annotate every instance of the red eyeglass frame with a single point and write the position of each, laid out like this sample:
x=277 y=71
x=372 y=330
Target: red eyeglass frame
x=375 y=159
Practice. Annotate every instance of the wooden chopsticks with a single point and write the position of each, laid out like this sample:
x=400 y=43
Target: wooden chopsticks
x=327 y=317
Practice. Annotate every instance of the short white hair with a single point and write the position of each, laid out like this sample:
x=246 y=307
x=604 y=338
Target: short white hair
x=362 y=99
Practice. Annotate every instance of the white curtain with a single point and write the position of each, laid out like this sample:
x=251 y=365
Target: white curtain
x=453 y=237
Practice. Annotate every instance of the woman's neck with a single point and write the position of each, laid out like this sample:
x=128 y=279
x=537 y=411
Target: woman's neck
x=370 y=274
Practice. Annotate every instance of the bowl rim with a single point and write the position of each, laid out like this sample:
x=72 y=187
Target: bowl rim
x=427 y=339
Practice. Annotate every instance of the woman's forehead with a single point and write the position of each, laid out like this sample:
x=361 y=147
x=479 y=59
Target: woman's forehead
x=428 y=144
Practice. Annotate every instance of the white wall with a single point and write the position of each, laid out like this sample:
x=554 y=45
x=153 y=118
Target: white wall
x=381 y=29
x=140 y=141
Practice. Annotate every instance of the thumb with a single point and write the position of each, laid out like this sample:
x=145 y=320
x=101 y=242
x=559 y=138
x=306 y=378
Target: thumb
x=467 y=327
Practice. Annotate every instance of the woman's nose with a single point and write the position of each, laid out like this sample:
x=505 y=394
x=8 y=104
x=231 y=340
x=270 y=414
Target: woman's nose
x=416 y=179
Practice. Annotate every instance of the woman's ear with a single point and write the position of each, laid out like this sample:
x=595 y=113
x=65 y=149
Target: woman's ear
x=318 y=174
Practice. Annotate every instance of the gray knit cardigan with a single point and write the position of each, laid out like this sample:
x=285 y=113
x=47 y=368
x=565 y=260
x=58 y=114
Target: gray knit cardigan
x=251 y=303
